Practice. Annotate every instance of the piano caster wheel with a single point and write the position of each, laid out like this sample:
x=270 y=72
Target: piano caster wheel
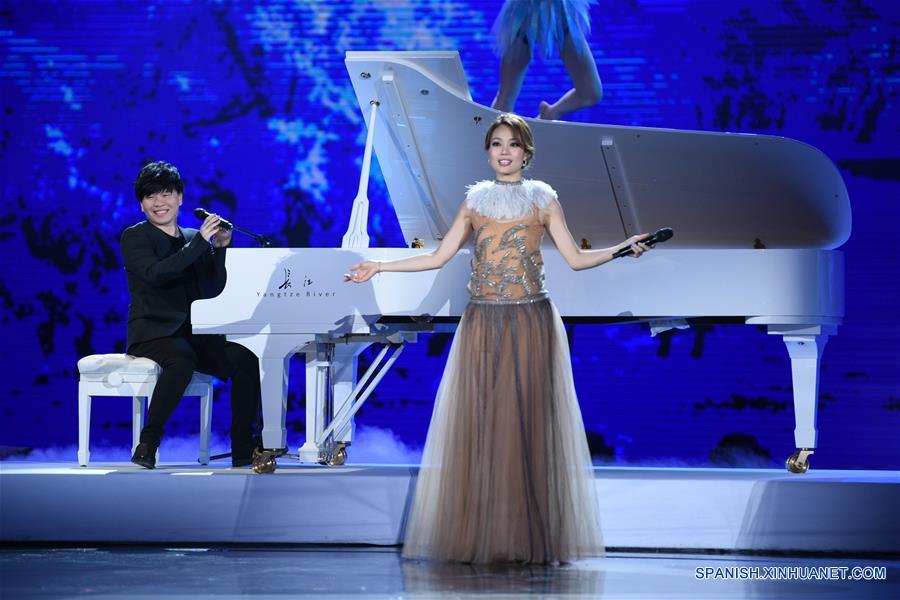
x=264 y=461
x=338 y=456
x=798 y=462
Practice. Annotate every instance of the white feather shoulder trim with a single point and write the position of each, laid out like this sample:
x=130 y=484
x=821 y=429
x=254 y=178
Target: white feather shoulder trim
x=501 y=201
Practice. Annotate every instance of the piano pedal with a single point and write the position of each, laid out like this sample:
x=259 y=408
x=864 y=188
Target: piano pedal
x=798 y=462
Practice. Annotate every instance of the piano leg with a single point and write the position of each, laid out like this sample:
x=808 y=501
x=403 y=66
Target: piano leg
x=805 y=344
x=330 y=379
x=273 y=373
x=274 y=353
x=346 y=360
x=318 y=396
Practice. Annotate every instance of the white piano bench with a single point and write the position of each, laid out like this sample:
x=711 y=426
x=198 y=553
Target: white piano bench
x=134 y=377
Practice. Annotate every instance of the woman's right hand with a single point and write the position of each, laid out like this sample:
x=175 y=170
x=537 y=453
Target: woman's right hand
x=636 y=245
x=363 y=271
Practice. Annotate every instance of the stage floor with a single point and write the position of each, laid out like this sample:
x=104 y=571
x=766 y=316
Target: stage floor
x=331 y=572
x=642 y=509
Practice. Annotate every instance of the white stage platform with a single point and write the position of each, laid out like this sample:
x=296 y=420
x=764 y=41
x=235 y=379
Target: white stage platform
x=642 y=508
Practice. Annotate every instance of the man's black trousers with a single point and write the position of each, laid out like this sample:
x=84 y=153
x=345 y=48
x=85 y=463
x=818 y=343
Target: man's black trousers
x=179 y=356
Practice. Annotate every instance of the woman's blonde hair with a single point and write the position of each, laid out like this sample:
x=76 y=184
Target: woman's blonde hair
x=520 y=130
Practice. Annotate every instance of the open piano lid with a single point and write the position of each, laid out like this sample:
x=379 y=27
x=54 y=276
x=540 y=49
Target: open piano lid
x=716 y=190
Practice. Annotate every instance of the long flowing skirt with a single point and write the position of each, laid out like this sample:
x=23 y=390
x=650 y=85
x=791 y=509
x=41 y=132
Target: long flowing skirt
x=506 y=473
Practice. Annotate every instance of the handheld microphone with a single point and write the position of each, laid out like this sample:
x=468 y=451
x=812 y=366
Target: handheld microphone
x=201 y=214
x=661 y=235
x=263 y=240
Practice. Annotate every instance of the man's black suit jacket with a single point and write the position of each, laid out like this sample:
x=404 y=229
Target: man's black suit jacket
x=164 y=277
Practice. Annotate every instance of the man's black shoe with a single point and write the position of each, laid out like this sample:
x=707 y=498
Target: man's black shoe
x=243 y=457
x=145 y=456
x=242 y=454
x=241 y=461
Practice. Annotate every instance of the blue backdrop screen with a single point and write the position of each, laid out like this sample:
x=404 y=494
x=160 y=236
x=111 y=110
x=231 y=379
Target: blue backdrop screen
x=251 y=100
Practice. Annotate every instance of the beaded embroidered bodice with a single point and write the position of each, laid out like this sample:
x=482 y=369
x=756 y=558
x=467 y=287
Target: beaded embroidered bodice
x=507 y=265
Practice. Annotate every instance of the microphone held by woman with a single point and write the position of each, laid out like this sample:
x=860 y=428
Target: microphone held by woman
x=661 y=235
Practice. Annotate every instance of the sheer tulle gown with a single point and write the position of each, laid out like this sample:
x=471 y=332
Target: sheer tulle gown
x=506 y=473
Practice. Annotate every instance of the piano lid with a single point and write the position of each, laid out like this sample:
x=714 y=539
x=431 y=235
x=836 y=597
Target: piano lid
x=716 y=190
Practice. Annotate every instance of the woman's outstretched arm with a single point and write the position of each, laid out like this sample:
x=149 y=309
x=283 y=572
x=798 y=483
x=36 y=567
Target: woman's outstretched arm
x=575 y=257
x=450 y=245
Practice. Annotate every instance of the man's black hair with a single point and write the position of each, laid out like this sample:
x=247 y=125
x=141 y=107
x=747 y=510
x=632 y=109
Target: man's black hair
x=156 y=177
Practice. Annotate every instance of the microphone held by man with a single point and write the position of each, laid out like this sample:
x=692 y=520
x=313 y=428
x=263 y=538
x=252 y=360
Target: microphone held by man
x=202 y=214
x=263 y=240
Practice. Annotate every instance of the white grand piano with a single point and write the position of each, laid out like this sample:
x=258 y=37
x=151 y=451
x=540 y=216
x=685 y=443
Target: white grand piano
x=757 y=221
